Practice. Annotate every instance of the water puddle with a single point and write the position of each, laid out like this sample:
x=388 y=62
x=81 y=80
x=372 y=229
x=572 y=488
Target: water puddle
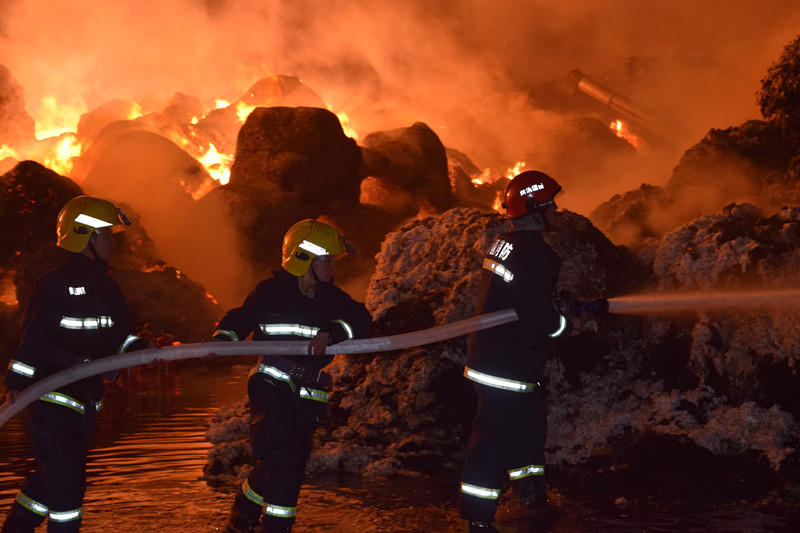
x=145 y=473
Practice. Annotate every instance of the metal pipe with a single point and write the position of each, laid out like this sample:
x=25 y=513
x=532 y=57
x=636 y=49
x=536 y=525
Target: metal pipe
x=579 y=81
x=197 y=350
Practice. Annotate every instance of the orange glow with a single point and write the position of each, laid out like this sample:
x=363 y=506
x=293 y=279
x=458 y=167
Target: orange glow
x=59 y=159
x=621 y=130
x=135 y=111
x=243 y=110
x=57 y=119
x=516 y=169
x=8 y=292
x=485 y=177
x=7 y=151
x=217 y=164
x=344 y=120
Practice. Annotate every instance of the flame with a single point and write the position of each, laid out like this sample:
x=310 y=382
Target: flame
x=516 y=169
x=135 y=111
x=219 y=103
x=498 y=200
x=621 y=130
x=58 y=119
x=7 y=151
x=344 y=120
x=217 y=164
x=59 y=159
x=243 y=110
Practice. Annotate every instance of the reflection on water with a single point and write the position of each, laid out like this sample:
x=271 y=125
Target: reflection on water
x=145 y=467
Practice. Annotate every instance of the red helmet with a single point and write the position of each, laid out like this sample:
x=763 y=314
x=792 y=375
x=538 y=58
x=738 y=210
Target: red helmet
x=528 y=191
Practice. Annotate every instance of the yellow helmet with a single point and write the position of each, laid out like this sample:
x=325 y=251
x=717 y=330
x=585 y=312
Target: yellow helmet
x=307 y=240
x=79 y=217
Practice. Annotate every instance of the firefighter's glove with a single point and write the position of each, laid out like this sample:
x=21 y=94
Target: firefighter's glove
x=319 y=343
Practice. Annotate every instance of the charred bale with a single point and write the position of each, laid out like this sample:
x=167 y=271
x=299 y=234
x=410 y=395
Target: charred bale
x=298 y=150
x=31 y=198
x=412 y=160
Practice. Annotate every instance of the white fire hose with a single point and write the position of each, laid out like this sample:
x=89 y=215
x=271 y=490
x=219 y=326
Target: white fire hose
x=197 y=350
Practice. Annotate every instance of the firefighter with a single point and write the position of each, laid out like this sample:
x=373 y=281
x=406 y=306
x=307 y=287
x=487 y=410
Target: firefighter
x=288 y=395
x=76 y=313
x=506 y=363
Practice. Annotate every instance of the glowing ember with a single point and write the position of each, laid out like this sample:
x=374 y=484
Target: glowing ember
x=60 y=158
x=621 y=130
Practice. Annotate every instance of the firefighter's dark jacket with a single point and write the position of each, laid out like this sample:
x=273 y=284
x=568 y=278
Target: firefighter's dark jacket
x=77 y=313
x=519 y=271
x=278 y=301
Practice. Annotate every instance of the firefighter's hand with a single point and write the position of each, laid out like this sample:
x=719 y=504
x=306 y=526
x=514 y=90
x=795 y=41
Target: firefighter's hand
x=11 y=395
x=319 y=343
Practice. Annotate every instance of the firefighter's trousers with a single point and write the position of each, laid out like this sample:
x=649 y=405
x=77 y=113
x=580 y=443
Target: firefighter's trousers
x=54 y=491
x=507 y=442
x=282 y=424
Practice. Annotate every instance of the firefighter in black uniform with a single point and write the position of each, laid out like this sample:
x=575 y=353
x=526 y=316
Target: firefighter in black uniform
x=77 y=313
x=506 y=363
x=288 y=395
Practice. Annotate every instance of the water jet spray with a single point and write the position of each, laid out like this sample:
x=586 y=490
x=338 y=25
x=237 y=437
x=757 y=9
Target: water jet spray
x=657 y=302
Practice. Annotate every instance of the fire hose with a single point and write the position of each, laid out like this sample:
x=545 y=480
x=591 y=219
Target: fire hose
x=198 y=350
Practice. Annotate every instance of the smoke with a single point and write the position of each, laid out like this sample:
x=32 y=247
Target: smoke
x=487 y=77
x=465 y=68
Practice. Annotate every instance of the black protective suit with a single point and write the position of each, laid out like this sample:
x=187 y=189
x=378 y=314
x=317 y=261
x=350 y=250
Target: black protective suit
x=77 y=313
x=288 y=395
x=507 y=363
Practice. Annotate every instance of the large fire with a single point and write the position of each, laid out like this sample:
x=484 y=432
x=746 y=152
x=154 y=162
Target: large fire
x=58 y=144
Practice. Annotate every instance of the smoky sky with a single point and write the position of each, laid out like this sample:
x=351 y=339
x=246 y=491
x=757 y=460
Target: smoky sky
x=465 y=68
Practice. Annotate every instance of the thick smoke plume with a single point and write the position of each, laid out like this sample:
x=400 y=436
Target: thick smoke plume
x=481 y=75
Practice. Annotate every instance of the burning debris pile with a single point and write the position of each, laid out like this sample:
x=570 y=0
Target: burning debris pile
x=707 y=388
x=756 y=162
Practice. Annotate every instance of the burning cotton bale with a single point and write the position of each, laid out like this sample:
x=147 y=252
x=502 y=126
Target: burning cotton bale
x=16 y=126
x=291 y=163
x=221 y=126
x=412 y=162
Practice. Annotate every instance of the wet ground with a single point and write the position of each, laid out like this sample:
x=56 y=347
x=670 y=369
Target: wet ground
x=146 y=466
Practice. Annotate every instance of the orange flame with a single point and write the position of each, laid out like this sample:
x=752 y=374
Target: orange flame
x=344 y=120
x=60 y=157
x=7 y=151
x=516 y=169
x=58 y=118
x=621 y=130
x=243 y=110
x=217 y=164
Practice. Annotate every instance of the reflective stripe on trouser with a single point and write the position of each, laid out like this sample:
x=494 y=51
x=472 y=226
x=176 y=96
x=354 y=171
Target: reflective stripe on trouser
x=529 y=470
x=508 y=436
x=282 y=426
x=59 y=442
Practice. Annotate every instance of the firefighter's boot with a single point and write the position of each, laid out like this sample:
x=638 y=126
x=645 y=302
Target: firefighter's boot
x=244 y=516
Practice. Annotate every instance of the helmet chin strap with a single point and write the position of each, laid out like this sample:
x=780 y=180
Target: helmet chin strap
x=91 y=248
